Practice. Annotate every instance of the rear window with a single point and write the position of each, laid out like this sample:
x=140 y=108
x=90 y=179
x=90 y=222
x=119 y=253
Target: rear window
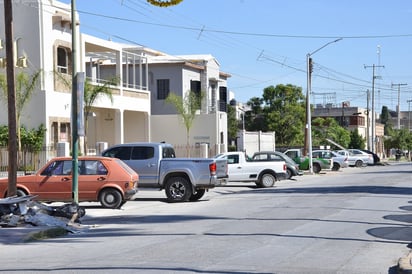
x=168 y=152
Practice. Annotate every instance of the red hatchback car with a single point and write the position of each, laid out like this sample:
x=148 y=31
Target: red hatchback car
x=107 y=180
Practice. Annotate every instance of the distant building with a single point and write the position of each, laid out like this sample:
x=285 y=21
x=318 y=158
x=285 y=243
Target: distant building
x=354 y=118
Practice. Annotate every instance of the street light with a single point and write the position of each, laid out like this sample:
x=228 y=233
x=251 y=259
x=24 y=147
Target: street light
x=308 y=142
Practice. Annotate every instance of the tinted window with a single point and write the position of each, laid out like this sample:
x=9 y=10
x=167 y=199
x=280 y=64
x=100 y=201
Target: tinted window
x=168 y=152
x=142 y=153
x=123 y=153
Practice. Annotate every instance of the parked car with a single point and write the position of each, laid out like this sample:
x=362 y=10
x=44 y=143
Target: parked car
x=303 y=161
x=183 y=179
x=292 y=169
x=356 y=160
x=367 y=156
x=339 y=161
x=376 y=158
x=106 y=180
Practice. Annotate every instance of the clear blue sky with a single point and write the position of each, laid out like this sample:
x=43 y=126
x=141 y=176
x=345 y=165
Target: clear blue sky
x=265 y=42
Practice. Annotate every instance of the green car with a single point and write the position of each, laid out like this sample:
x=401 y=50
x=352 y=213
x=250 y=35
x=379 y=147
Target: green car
x=303 y=161
x=317 y=163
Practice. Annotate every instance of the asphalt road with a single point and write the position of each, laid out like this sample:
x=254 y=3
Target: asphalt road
x=353 y=221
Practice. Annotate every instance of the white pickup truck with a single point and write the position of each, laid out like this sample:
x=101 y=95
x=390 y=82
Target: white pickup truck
x=263 y=174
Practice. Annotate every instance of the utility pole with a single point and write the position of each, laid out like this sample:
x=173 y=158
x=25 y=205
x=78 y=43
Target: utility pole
x=373 y=103
x=308 y=129
x=367 y=119
x=11 y=99
x=398 y=108
x=409 y=114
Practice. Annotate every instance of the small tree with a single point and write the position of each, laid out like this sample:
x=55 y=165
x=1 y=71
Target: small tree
x=25 y=88
x=186 y=108
x=328 y=128
x=356 y=140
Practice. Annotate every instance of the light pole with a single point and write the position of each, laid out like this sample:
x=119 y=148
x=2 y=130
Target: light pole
x=308 y=141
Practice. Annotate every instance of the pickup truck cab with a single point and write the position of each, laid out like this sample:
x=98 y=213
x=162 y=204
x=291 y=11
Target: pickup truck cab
x=183 y=179
x=263 y=174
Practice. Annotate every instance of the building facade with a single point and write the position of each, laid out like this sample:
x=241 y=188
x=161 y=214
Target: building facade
x=138 y=77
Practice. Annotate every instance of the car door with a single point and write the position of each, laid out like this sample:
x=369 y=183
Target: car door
x=55 y=182
x=236 y=171
x=92 y=175
x=144 y=162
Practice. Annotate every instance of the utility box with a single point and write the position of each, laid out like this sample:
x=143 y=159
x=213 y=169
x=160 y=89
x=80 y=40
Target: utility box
x=255 y=141
x=63 y=149
x=100 y=146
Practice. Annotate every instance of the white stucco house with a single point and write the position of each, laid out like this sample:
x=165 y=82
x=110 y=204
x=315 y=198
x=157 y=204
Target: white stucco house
x=144 y=77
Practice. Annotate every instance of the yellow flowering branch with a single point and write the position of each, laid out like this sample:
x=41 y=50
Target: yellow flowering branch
x=164 y=3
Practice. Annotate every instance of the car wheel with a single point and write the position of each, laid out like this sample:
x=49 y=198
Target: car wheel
x=111 y=198
x=178 y=189
x=289 y=173
x=316 y=168
x=335 y=167
x=199 y=194
x=267 y=180
x=20 y=192
x=358 y=163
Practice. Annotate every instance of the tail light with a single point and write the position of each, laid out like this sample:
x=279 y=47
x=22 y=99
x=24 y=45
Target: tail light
x=284 y=167
x=212 y=169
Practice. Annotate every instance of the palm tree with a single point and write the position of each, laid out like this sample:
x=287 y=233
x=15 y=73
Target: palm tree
x=90 y=95
x=186 y=108
x=25 y=87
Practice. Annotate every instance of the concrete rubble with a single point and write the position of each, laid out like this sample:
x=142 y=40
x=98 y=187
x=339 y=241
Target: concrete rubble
x=20 y=211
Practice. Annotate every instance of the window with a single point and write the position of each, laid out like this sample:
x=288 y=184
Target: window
x=123 y=153
x=223 y=99
x=168 y=152
x=142 y=153
x=92 y=167
x=58 y=168
x=62 y=60
x=233 y=159
x=163 y=88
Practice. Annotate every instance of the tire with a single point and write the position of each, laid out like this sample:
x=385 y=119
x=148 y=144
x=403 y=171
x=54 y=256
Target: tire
x=20 y=192
x=335 y=167
x=358 y=163
x=199 y=194
x=267 y=180
x=289 y=174
x=178 y=189
x=316 y=168
x=111 y=198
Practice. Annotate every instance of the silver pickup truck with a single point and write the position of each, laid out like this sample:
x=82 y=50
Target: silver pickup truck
x=183 y=179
